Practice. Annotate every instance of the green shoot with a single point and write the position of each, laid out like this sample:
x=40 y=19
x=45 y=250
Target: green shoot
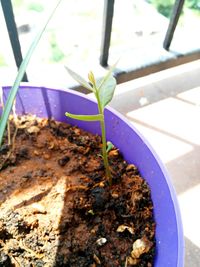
x=103 y=90
x=109 y=146
x=11 y=97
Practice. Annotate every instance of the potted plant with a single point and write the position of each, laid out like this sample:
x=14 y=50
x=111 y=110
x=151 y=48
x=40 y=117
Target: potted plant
x=127 y=141
x=45 y=102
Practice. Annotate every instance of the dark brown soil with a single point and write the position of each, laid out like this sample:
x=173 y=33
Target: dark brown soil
x=57 y=208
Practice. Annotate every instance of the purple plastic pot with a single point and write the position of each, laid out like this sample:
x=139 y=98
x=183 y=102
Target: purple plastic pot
x=45 y=102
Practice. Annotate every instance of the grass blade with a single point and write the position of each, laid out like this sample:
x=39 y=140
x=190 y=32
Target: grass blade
x=22 y=69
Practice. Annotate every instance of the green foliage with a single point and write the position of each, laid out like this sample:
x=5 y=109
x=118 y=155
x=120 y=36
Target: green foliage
x=56 y=53
x=103 y=90
x=38 y=7
x=163 y=7
x=2 y=61
x=193 y=4
x=18 y=3
x=20 y=74
x=30 y=5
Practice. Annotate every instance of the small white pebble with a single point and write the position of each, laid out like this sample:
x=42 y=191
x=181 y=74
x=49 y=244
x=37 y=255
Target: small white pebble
x=101 y=241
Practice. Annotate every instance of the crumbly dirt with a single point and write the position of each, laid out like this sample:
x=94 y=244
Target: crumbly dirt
x=57 y=208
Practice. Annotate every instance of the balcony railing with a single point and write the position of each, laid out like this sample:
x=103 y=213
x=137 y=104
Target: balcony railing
x=108 y=15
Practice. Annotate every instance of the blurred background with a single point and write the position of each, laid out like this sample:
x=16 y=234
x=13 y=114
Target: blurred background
x=75 y=36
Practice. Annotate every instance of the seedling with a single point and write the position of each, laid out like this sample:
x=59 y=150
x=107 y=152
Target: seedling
x=103 y=90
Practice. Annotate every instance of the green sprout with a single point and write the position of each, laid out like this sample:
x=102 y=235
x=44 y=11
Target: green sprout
x=103 y=90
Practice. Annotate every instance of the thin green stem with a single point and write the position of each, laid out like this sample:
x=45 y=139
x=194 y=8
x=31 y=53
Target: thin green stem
x=105 y=156
x=103 y=134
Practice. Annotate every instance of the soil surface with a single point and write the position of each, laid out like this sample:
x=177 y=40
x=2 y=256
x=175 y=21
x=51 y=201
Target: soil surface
x=57 y=208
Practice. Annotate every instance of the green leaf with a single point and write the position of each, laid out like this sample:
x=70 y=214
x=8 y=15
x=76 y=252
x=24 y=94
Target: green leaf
x=106 y=87
x=98 y=117
x=22 y=69
x=109 y=73
x=106 y=91
x=79 y=79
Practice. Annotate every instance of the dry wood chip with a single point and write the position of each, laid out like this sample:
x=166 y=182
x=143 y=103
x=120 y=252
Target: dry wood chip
x=96 y=259
x=115 y=195
x=114 y=153
x=38 y=208
x=33 y=129
x=130 y=167
x=131 y=261
x=122 y=228
x=140 y=246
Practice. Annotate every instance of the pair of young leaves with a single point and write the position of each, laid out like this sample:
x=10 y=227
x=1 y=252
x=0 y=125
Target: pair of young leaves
x=102 y=88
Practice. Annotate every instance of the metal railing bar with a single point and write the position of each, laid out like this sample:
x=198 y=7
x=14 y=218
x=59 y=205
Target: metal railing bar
x=12 y=32
x=177 y=8
x=107 y=28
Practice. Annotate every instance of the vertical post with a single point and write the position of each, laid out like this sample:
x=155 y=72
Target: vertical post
x=107 y=28
x=177 y=8
x=12 y=32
